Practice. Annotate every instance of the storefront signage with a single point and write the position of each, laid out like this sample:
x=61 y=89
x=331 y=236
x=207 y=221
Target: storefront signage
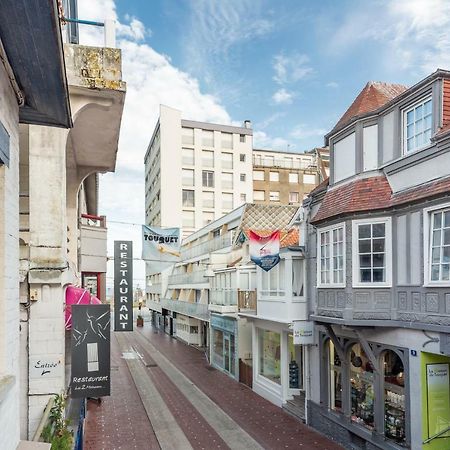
x=160 y=247
x=265 y=250
x=91 y=366
x=223 y=323
x=303 y=333
x=45 y=367
x=438 y=397
x=123 y=286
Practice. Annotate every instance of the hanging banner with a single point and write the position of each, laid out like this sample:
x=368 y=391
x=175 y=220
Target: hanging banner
x=265 y=251
x=91 y=348
x=123 y=286
x=160 y=247
x=303 y=331
x=438 y=396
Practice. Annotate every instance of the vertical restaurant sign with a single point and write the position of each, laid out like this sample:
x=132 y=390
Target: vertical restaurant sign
x=123 y=286
x=91 y=364
x=438 y=397
x=265 y=250
x=160 y=247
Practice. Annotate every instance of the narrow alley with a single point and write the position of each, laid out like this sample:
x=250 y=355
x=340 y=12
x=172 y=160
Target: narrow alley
x=165 y=395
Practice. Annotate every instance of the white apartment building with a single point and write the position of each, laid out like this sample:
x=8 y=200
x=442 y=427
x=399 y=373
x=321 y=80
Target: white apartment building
x=195 y=172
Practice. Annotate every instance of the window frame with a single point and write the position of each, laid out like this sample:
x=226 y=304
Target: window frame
x=427 y=235
x=274 y=172
x=330 y=228
x=388 y=252
x=404 y=113
x=259 y=172
x=208 y=172
x=190 y=191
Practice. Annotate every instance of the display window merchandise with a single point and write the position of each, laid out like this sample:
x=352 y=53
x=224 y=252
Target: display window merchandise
x=223 y=351
x=370 y=390
x=269 y=354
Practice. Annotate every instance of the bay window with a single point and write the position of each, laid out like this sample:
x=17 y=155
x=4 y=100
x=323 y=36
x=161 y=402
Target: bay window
x=331 y=256
x=417 y=126
x=372 y=253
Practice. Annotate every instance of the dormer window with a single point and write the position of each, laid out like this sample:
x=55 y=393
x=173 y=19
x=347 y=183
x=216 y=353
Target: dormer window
x=417 y=126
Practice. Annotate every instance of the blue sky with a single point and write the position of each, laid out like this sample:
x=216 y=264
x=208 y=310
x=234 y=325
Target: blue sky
x=290 y=66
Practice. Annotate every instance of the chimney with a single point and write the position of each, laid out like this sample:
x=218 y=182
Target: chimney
x=247 y=124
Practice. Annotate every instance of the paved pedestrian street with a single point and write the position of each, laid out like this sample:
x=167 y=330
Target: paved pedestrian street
x=165 y=395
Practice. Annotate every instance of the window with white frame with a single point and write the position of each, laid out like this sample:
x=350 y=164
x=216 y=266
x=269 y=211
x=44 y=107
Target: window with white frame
x=227 y=160
x=207 y=178
x=187 y=177
x=187 y=136
x=293 y=178
x=439 y=246
x=417 y=126
x=293 y=197
x=242 y=176
x=187 y=156
x=188 y=198
x=331 y=256
x=258 y=175
x=208 y=199
x=227 y=180
x=242 y=157
x=372 y=252
x=274 y=176
x=274 y=196
x=259 y=196
x=207 y=158
x=208 y=138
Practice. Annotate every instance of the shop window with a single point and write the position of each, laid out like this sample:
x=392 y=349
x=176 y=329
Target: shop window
x=218 y=347
x=295 y=364
x=269 y=355
x=362 y=388
x=335 y=378
x=394 y=397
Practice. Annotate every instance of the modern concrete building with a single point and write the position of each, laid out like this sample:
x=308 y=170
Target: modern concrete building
x=195 y=172
x=286 y=178
x=378 y=253
x=33 y=90
x=62 y=237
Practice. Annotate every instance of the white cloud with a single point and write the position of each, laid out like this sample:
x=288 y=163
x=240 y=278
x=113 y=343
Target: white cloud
x=262 y=140
x=282 y=96
x=292 y=68
x=269 y=120
x=332 y=84
x=414 y=33
x=303 y=131
x=151 y=80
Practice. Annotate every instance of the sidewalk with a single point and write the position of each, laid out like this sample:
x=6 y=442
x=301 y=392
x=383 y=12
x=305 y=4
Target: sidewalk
x=120 y=421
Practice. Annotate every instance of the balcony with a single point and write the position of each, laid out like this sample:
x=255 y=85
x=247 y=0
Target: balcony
x=232 y=301
x=154 y=288
x=217 y=243
x=284 y=164
x=196 y=277
x=92 y=250
x=196 y=310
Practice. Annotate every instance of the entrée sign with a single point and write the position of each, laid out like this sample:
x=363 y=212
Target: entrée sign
x=123 y=286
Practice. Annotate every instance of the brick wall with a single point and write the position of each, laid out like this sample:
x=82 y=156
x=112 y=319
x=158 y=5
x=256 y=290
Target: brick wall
x=9 y=268
x=446 y=103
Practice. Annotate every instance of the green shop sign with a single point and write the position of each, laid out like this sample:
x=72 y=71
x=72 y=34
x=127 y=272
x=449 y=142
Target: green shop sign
x=438 y=398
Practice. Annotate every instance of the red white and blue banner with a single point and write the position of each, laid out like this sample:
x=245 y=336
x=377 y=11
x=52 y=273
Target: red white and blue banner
x=265 y=250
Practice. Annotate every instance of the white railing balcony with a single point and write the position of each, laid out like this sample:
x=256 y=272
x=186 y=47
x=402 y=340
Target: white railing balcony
x=212 y=245
x=195 y=277
x=197 y=310
x=284 y=164
x=154 y=288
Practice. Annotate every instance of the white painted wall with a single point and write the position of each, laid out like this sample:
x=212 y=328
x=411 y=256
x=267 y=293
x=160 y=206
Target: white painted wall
x=370 y=148
x=388 y=137
x=344 y=158
x=9 y=270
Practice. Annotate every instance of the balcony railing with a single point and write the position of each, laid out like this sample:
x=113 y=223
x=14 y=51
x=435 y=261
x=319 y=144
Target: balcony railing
x=195 y=277
x=284 y=164
x=212 y=245
x=197 y=310
x=223 y=297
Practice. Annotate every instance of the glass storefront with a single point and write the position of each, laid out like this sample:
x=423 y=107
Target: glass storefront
x=295 y=361
x=269 y=355
x=223 y=344
x=362 y=391
x=335 y=380
x=394 y=397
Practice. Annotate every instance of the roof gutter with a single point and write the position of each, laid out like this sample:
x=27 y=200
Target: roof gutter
x=12 y=79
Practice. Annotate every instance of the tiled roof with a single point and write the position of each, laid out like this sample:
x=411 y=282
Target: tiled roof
x=373 y=194
x=288 y=238
x=321 y=186
x=445 y=108
x=374 y=95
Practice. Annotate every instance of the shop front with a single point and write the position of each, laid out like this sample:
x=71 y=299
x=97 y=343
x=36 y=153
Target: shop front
x=278 y=364
x=224 y=344
x=363 y=385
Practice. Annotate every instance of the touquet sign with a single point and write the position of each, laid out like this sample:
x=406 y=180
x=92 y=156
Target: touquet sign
x=123 y=286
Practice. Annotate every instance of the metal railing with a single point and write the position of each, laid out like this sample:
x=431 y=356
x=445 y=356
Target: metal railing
x=212 y=245
x=197 y=276
x=223 y=297
x=284 y=164
x=197 y=310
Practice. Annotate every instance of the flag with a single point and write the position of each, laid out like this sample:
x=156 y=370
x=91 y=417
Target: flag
x=265 y=250
x=160 y=247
